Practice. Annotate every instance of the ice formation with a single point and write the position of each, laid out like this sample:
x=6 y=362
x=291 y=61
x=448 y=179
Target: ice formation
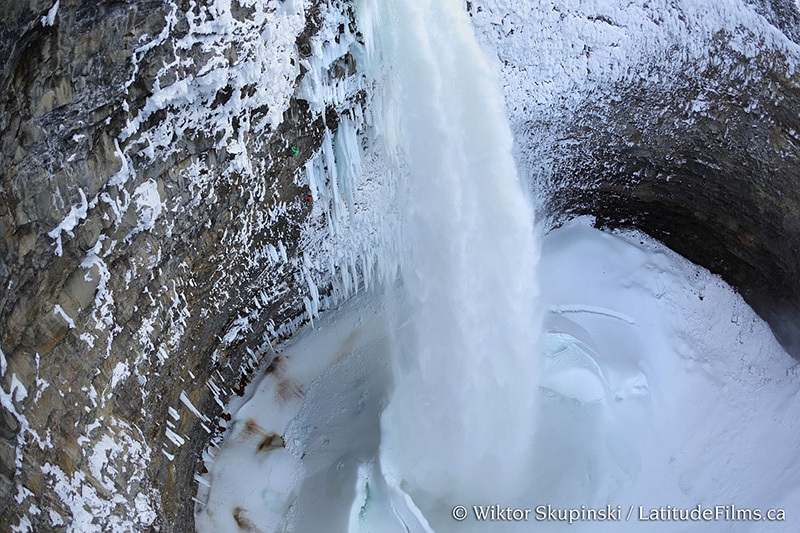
x=650 y=383
x=467 y=272
x=659 y=387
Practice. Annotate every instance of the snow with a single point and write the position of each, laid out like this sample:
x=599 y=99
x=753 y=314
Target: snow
x=55 y=518
x=103 y=310
x=557 y=57
x=647 y=393
x=58 y=310
x=692 y=388
x=41 y=385
x=73 y=218
x=241 y=324
x=22 y=493
x=50 y=18
x=120 y=373
x=271 y=403
x=148 y=206
x=267 y=48
x=98 y=461
x=91 y=508
x=682 y=401
x=24 y=526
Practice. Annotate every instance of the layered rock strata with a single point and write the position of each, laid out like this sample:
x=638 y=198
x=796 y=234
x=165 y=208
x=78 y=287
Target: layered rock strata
x=152 y=197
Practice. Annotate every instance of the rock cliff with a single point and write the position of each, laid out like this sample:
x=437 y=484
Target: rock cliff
x=678 y=118
x=152 y=202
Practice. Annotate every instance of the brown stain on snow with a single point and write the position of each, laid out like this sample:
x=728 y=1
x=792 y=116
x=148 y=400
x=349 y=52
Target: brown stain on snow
x=346 y=347
x=243 y=523
x=288 y=389
x=271 y=441
x=268 y=440
x=251 y=427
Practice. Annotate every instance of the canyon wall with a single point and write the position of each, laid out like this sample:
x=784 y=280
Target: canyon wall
x=152 y=196
x=681 y=119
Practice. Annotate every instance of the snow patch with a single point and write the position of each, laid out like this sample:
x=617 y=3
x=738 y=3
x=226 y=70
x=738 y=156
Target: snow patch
x=55 y=518
x=74 y=217
x=50 y=18
x=59 y=311
x=120 y=373
x=99 y=512
x=24 y=526
x=148 y=206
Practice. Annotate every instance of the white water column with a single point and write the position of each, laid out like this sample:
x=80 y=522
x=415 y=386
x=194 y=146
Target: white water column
x=459 y=424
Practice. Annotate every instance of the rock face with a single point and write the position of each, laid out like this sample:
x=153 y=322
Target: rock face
x=717 y=182
x=155 y=210
x=152 y=200
x=677 y=118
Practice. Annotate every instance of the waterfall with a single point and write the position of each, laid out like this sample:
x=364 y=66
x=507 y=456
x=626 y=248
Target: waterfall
x=424 y=392
x=459 y=423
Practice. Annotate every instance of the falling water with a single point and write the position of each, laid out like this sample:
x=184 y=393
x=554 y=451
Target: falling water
x=633 y=364
x=459 y=422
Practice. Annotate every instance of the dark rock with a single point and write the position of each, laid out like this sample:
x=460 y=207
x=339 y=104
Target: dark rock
x=719 y=186
x=127 y=251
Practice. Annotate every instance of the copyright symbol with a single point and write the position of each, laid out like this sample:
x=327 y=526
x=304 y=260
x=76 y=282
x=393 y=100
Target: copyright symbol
x=459 y=512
